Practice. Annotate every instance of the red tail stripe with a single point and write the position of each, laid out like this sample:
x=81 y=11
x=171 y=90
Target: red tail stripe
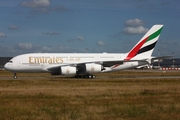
x=116 y=65
x=133 y=52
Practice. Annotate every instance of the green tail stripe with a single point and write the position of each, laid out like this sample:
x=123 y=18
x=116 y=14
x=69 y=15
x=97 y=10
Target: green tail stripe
x=154 y=35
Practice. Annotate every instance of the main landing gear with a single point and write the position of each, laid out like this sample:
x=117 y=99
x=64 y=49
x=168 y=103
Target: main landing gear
x=85 y=76
x=15 y=76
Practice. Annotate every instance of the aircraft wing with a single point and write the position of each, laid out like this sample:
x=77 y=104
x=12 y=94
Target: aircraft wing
x=81 y=65
x=103 y=63
x=111 y=63
x=56 y=68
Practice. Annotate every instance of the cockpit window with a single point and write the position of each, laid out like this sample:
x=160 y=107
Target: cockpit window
x=11 y=61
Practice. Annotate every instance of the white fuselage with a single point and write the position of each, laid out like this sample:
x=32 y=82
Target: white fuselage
x=40 y=62
x=85 y=64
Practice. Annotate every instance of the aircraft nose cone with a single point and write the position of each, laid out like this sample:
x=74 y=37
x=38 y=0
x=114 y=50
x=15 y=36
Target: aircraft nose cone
x=8 y=66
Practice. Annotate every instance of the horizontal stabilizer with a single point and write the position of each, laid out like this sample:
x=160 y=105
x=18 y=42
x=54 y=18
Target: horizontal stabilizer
x=160 y=58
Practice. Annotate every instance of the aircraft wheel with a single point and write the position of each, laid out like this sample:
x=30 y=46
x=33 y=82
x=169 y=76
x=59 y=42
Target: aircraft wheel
x=89 y=76
x=15 y=76
x=93 y=76
x=85 y=76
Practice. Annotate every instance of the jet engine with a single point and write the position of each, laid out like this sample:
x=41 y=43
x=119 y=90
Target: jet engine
x=68 y=70
x=93 y=67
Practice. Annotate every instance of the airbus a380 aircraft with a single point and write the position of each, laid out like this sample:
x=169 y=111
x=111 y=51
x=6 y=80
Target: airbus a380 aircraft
x=85 y=64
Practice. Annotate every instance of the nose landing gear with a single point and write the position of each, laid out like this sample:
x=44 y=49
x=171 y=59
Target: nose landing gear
x=15 y=76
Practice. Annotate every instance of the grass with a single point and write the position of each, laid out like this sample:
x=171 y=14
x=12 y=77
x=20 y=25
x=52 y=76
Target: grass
x=59 y=98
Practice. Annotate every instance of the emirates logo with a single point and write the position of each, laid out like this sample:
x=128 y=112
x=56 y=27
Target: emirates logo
x=92 y=69
x=67 y=71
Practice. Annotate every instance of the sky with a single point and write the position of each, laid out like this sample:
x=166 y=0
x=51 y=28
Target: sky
x=86 y=26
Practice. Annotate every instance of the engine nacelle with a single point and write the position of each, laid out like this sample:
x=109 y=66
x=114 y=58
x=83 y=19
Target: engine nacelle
x=93 y=68
x=68 y=70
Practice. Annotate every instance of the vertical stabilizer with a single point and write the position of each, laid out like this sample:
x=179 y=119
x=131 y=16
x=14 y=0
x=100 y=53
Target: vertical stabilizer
x=145 y=47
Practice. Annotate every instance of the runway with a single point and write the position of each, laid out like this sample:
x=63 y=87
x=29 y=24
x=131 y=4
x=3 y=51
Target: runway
x=128 y=74
x=97 y=78
x=152 y=77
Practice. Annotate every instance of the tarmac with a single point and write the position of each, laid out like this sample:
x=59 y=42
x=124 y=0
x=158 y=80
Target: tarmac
x=10 y=77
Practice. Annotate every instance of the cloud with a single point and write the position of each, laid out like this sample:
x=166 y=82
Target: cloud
x=52 y=33
x=135 y=30
x=13 y=27
x=80 y=38
x=41 y=6
x=55 y=49
x=134 y=26
x=47 y=48
x=2 y=35
x=134 y=22
x=24 y=46
x=29 y=47
x=21 y=48
x=101 y=43
x=36 y=3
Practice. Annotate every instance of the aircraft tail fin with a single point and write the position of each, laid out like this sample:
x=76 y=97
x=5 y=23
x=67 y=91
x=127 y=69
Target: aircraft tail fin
x=145 y=47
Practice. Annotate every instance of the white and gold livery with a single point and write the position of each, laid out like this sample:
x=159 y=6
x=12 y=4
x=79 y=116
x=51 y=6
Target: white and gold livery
x=85 y=64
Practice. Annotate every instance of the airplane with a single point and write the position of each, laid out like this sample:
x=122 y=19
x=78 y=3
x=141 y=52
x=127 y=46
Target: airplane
x=84 y=65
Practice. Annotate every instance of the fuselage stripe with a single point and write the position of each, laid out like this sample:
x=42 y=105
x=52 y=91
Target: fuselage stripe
x=147 y=48
x=136 y=49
